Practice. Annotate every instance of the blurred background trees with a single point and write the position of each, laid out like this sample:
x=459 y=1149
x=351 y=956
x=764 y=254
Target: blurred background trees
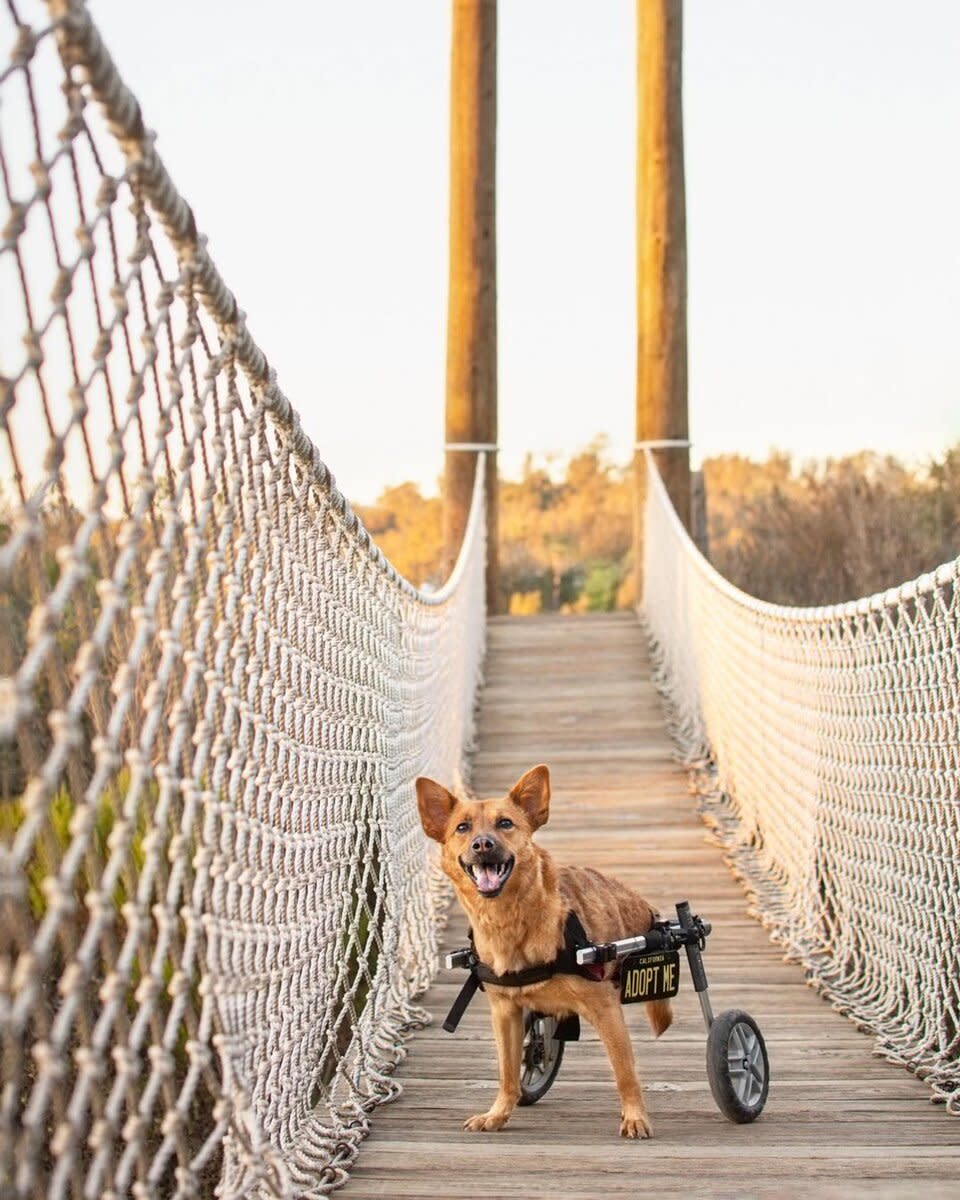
x=809 y=533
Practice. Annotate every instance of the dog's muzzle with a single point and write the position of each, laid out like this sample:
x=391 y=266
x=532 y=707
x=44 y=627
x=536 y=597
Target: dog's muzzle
x=489 y=877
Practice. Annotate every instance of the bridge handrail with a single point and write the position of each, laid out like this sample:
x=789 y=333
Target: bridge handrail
x=825 y=744
x=216 y=903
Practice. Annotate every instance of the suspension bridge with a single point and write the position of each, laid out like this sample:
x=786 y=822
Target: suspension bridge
x=220 y=921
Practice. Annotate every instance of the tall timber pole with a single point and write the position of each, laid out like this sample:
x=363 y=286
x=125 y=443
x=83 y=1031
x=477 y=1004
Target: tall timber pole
x=471 y=401
x=661 y=263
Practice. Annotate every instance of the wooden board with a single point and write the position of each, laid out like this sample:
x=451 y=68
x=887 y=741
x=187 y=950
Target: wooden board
x=575 y=692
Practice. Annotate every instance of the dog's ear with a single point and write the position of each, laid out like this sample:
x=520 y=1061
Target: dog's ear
x=435 y=804
x=532 y=793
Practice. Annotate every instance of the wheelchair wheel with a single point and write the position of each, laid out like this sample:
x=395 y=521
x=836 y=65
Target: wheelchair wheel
x=737 y=1066
x=542 y=1055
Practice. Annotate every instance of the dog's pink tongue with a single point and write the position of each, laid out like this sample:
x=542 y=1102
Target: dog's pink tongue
x=487 y=879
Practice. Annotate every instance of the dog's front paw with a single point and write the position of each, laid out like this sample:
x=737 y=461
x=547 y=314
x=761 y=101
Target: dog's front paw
x=488 y=1122
x=636 y=1126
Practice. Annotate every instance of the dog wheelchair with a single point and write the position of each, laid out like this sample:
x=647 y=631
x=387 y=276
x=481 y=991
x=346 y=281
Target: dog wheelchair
x=649 y=969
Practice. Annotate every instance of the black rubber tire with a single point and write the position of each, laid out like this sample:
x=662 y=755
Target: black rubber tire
x=737 y=1066
x=541 y=1058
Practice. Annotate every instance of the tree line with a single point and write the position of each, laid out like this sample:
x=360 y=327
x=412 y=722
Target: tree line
x=792 y=533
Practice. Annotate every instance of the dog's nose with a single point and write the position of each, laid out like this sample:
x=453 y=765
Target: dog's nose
x=482 y=844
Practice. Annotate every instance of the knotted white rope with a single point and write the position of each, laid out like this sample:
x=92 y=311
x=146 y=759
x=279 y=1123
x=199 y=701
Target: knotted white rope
x=216 y=905
x=828 y=741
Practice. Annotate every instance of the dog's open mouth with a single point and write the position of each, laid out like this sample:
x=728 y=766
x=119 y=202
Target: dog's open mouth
x=489 y=877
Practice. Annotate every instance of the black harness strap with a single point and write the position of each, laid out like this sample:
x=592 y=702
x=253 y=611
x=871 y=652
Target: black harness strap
x=516 y=978
x=574 y=938
x=459 y=1006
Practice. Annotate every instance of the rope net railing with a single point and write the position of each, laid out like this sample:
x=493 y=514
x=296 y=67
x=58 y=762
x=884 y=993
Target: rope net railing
x=826 y=748
x=216 y=905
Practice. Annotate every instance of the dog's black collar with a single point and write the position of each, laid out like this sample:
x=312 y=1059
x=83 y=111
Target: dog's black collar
x=574 y=939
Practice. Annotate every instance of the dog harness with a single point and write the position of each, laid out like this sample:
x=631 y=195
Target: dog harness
x=574 y=939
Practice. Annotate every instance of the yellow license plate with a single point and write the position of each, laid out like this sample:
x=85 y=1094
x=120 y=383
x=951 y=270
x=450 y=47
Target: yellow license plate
x=646 y=977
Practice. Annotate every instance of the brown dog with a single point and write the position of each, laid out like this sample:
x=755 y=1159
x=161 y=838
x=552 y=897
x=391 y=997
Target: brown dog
x=517 y=900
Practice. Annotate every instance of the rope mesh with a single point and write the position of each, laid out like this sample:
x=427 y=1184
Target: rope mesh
x=215 y=900
x=827 y=748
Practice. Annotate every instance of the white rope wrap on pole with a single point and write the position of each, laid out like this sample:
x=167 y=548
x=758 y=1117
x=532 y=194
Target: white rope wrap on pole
x=663 y=444
x=216 y=902
x=829 y=746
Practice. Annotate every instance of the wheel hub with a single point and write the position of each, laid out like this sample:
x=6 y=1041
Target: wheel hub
x=745 y=1059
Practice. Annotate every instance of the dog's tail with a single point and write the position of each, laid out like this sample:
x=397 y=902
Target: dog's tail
x=660 y=1016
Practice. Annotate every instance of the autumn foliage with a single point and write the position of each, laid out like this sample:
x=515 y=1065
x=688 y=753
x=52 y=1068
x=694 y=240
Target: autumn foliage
x=812 y=533
x=830 y=531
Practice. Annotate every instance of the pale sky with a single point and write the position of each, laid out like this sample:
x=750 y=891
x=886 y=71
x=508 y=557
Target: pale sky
x=823 y=187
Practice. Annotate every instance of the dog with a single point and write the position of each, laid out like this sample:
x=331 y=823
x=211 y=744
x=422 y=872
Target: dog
x=517 y=900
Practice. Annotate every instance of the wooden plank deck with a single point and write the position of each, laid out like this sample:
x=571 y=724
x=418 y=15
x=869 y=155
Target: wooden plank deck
x=575 y=692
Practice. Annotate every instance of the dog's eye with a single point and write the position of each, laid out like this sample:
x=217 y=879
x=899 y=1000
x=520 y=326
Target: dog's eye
x=504 y=823
x=463 y=827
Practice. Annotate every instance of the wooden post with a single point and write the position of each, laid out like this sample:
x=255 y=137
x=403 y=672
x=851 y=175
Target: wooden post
x=661 y=261
x=471 y=405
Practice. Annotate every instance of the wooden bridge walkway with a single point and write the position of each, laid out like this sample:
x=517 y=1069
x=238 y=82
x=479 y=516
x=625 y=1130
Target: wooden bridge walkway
x=575 y=692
